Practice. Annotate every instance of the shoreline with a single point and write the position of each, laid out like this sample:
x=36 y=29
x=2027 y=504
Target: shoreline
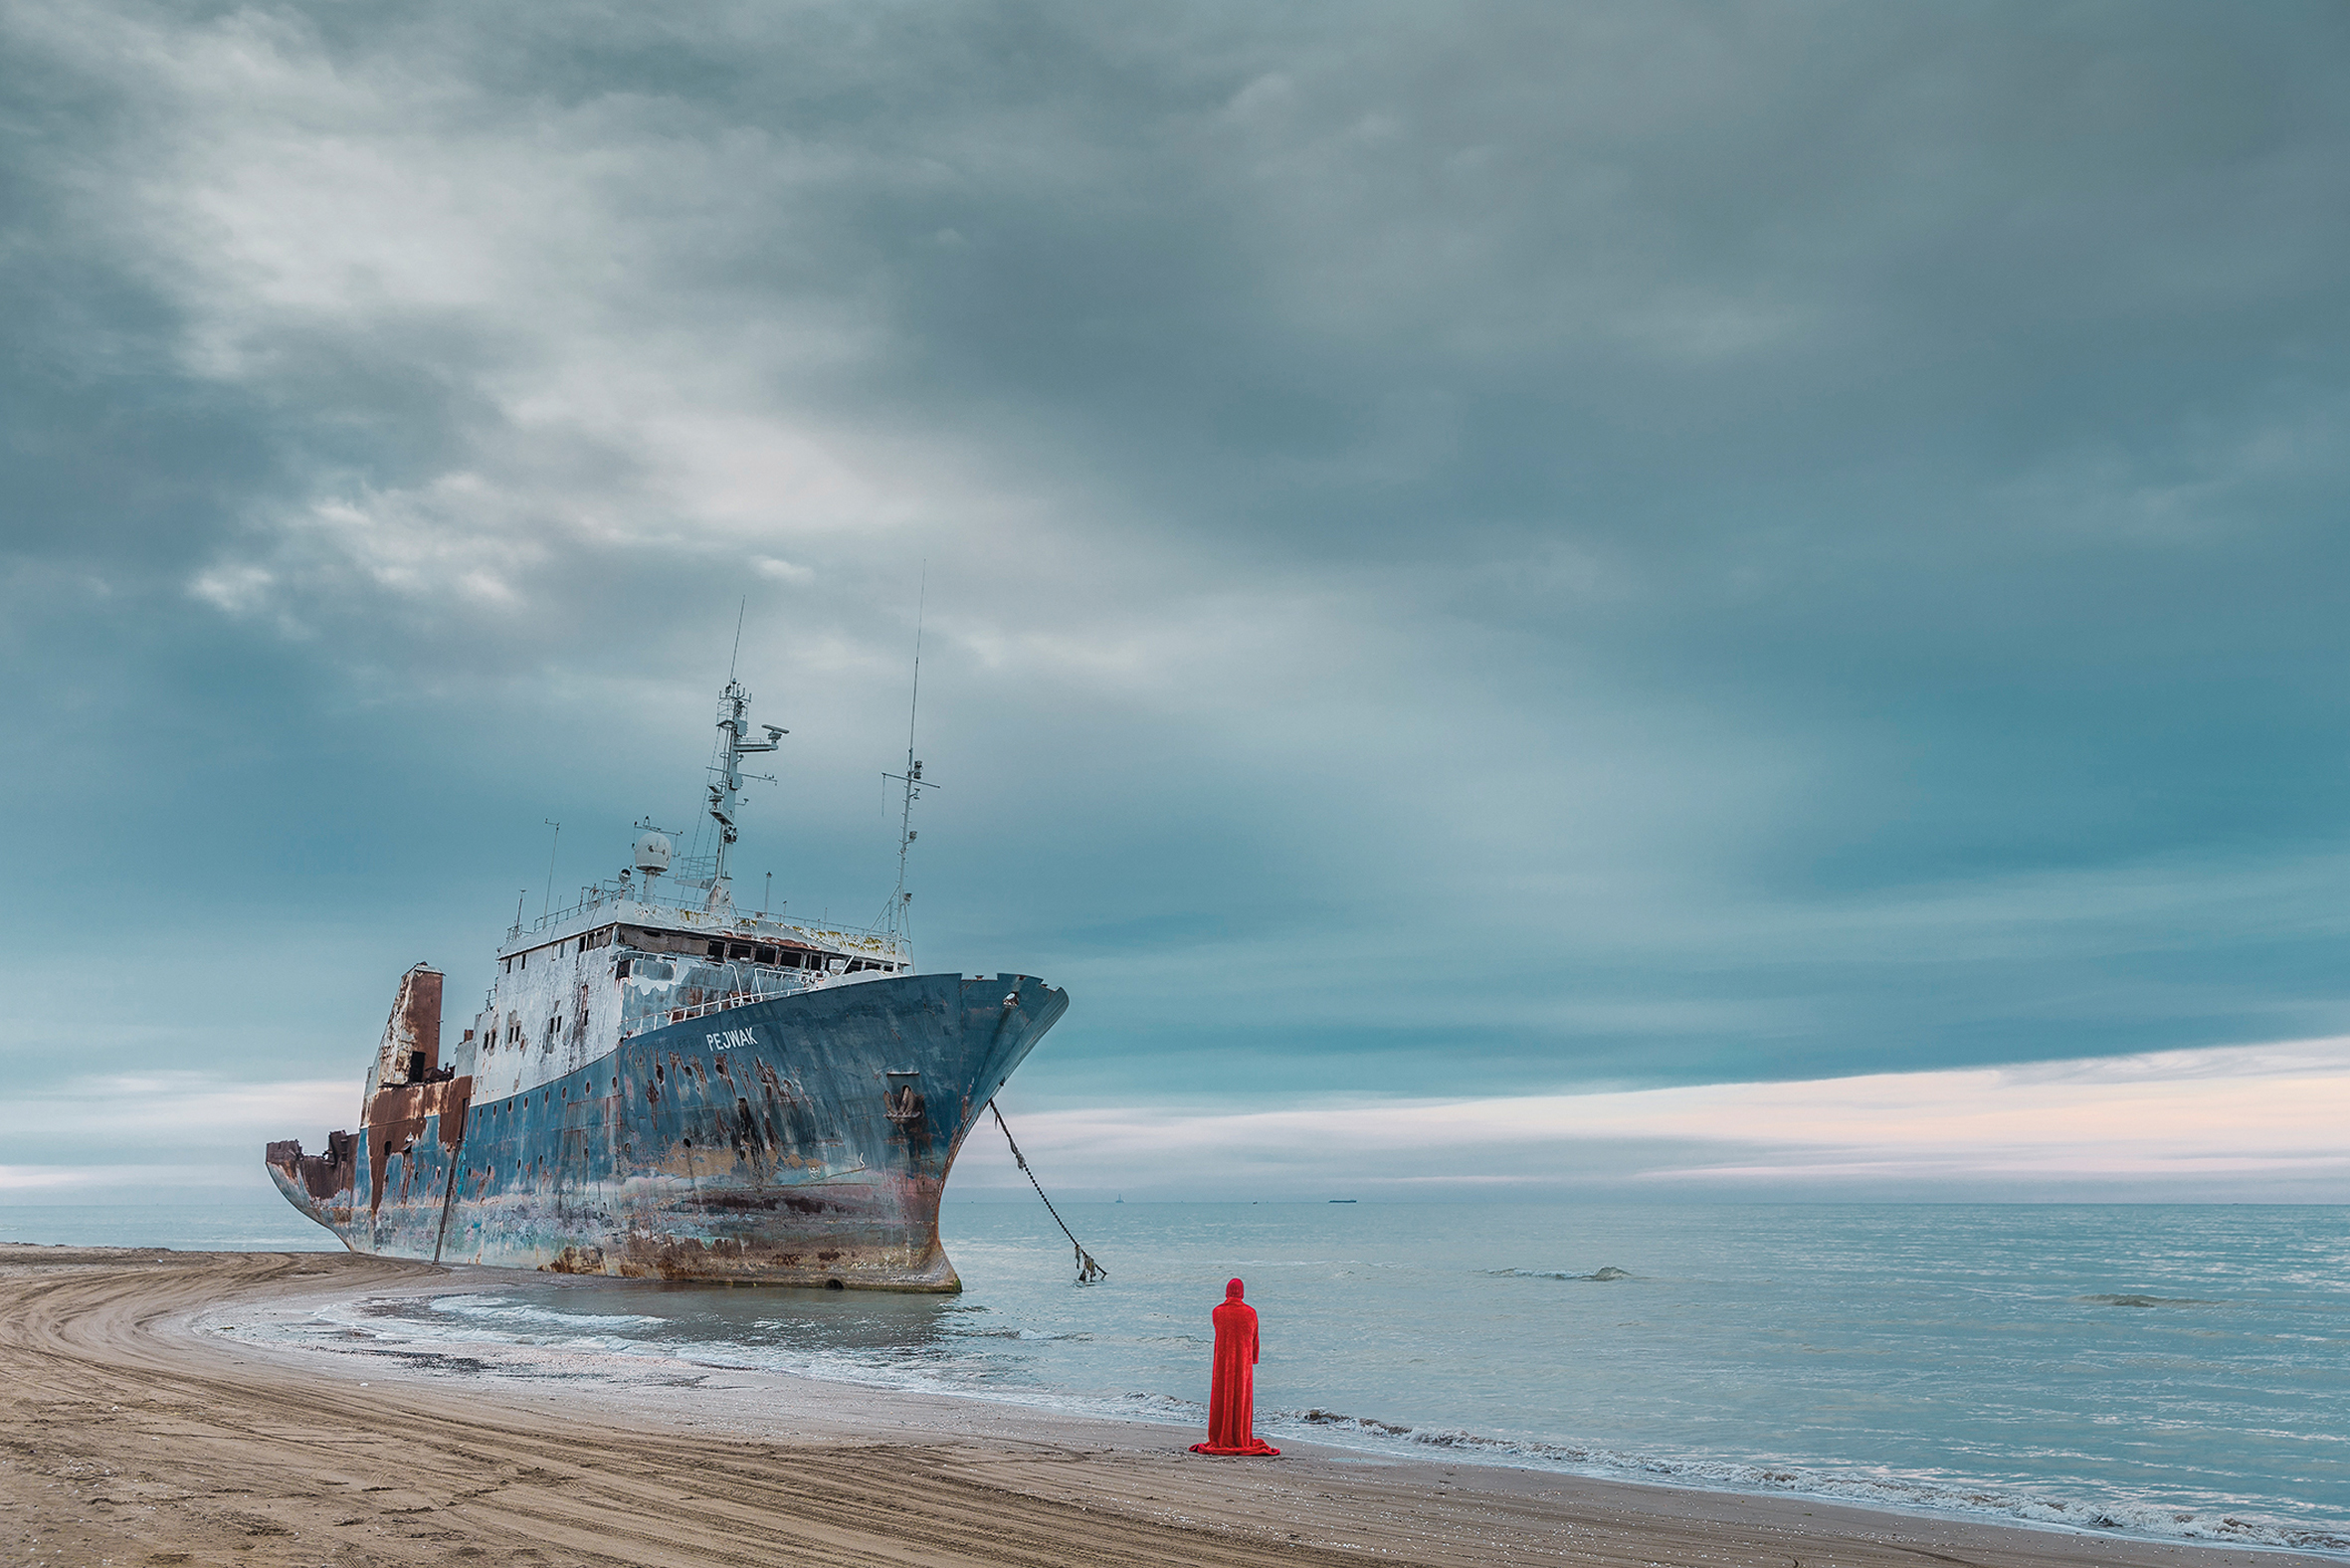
x=129 y=1384
x=608 y=1377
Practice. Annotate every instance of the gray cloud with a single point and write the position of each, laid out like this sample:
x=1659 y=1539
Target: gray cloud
x=1468 y=548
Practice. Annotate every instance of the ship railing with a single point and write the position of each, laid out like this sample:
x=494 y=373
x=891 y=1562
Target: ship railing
x=601 y=894
x=589 y=899
x=732 y=999
x=865 y=939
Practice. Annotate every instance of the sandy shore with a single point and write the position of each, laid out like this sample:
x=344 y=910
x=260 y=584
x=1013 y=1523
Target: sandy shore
x=135 y=1434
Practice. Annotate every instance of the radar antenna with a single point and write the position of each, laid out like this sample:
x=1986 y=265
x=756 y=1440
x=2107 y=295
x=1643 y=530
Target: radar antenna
x=548 y=901
x=725 y=789
x=894 y=920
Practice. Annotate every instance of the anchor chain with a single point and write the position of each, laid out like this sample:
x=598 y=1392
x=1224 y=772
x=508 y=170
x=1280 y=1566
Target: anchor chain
x=1088 y=1270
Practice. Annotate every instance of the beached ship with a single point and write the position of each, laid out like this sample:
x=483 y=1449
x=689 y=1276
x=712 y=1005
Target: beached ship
x=661 y=1085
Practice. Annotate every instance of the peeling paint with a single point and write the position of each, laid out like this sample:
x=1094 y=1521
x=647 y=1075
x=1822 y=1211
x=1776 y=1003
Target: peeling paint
x=790 y=1136
x=676 y=1089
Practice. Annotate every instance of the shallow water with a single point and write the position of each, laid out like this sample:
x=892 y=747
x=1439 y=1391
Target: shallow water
x=2174 y=1371
x=262 y=1222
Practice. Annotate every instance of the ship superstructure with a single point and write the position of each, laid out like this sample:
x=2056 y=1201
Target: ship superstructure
x=659 y=1085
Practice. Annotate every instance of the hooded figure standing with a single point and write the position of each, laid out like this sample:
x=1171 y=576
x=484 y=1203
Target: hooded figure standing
x=1232 y=1397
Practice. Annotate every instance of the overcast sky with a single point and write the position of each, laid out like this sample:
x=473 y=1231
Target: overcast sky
x=1475 y=555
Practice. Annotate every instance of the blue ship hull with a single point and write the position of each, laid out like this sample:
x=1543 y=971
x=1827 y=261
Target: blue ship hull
x=801 y=1139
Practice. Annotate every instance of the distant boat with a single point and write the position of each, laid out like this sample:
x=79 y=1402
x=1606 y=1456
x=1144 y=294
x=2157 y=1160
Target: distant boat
x=1121 y=1197
x=1342 y=1200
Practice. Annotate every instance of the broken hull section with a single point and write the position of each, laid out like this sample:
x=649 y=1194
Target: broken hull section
x=803 y=1139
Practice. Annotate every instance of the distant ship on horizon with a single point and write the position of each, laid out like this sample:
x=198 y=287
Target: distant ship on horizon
x=657 y=1086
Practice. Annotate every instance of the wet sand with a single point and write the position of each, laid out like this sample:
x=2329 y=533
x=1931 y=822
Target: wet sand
x=136 y=1429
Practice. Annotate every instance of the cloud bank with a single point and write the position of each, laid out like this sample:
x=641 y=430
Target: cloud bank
x=2245 y=1124
x=2242 y=1124
x=1473 y=551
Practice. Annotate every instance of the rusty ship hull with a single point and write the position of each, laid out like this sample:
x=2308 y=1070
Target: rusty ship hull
x=796 y=1139
x=660 y=1086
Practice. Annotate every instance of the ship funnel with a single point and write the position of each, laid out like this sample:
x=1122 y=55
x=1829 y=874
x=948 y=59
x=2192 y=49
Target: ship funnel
x=652 y=854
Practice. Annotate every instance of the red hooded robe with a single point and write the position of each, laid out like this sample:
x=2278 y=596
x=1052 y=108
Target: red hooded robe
x=1232 y=1397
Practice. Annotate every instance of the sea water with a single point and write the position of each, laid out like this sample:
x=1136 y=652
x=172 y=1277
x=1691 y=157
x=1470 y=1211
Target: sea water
x=2169 y=1371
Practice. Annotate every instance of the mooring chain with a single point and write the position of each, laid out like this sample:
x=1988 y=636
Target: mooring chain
x=1088 y=1270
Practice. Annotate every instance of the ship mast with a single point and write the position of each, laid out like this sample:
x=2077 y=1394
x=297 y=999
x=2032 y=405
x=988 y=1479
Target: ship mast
x=726 y=790
x=894 y=920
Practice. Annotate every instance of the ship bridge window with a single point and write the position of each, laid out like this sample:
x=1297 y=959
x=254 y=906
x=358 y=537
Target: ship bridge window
x=766 y=955
x=651 y=941
x=740 y=952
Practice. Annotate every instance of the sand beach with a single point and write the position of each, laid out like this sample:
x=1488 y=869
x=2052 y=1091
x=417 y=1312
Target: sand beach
x=139 y=1428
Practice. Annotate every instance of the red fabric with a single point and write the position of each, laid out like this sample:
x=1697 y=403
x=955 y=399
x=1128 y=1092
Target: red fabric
x=1232 y=1397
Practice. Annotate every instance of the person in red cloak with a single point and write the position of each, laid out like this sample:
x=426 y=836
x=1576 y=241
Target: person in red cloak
x=1232 y=1397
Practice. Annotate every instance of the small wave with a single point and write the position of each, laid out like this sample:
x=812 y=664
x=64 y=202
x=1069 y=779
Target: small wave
x=2138 y=1518
x=1169 y=1402
x=383 y=1324
x=504 y=1309
x=1331 y=1418
x=2147 y=1300
x=1597 y=1276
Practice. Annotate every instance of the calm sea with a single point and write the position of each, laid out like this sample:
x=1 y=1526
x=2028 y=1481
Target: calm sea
x=2172 y=1371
